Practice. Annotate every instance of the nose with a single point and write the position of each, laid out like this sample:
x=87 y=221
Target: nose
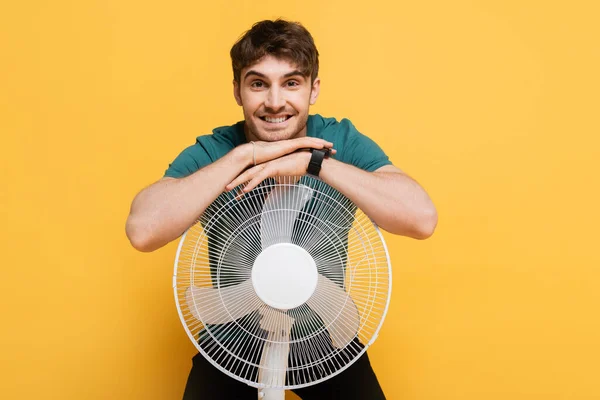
x=275 y=98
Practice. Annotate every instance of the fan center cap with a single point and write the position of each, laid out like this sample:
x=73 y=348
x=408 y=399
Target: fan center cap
x=284 y=276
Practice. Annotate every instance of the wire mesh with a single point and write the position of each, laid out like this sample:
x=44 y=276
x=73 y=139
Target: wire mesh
x=241 y=335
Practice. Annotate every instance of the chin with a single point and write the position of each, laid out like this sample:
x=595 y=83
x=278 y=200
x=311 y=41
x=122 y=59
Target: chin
x=276 y=135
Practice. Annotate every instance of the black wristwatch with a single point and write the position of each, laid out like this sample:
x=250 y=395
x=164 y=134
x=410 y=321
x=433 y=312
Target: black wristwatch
x=314 y=166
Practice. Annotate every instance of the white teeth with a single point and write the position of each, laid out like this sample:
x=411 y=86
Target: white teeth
x=275 y=120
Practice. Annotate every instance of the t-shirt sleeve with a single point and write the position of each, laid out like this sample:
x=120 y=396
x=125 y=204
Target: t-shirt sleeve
x=360 y=150
x=189 y=161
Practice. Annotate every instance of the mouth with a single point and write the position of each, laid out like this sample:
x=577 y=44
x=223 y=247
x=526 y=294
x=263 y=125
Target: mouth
x=277 y=119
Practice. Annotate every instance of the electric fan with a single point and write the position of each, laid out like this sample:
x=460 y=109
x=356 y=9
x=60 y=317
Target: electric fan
x=283 y=287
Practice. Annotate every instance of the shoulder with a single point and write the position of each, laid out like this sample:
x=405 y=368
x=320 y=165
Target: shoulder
x=222 y=140
x=207 y=149
x=320 y=126
x=352 y=146
x=339 y=132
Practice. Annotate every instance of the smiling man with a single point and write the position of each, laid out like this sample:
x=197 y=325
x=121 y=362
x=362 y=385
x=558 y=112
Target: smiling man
x=279 y=112
x=275 y=68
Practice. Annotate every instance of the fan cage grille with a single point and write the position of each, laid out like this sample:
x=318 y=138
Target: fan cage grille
x=218 y=251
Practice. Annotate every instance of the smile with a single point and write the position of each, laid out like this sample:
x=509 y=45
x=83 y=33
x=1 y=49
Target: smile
x=276 y=120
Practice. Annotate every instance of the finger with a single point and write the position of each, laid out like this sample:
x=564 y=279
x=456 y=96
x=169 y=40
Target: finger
x=311 y=143
x=244 y=177
x=331 y=151
x=320 y=143
x=256 y=180
x=314 y=141
x=239 y=193
x=238 y=181
x=233 y=184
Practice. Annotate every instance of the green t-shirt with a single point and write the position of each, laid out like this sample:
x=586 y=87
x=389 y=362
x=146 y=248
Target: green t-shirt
x=352 y=147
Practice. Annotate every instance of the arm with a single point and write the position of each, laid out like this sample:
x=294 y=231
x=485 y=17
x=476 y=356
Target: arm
x=392 y=199
x=163 y=211
x=388 y=196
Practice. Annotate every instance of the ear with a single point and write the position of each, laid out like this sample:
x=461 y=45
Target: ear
x=236 y=93
x=314 y=91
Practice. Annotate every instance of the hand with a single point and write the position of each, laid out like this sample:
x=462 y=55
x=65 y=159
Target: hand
x=267 y=151
x=294 y=164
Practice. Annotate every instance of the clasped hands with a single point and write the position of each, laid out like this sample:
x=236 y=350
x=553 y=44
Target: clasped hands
x=281 y=158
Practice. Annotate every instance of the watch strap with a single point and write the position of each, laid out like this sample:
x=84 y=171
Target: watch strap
x=316 y=159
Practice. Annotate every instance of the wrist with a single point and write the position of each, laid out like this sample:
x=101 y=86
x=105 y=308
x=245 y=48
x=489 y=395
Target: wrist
x=306 y=155
x=243 y=154
x=328 y=168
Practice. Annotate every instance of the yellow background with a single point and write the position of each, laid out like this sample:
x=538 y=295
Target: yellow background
x=491 y=106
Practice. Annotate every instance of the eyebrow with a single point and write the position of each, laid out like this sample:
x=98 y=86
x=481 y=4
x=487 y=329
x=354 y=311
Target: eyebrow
x=260 y=75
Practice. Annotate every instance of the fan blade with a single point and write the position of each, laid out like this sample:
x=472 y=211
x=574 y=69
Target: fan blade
x=337 y=310
x=274 y=358
x=218 y=306
x=281 y=207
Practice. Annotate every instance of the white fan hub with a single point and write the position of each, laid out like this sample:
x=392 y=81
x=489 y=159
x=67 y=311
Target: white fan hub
x=284 y=276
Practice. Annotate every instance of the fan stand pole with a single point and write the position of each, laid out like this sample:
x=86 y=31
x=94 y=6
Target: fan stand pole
x=274 y=357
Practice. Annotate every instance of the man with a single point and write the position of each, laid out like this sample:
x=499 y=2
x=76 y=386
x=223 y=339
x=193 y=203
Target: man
x=275 y=66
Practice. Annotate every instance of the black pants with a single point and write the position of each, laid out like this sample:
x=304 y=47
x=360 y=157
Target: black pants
x=357 y=382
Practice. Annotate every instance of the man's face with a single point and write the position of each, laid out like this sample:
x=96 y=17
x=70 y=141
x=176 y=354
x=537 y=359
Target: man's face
x=275 y=98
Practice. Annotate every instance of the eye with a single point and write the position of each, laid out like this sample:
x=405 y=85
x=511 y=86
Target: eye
x=292 y=83
x=257 y=84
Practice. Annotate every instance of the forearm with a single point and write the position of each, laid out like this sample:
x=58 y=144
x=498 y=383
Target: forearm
x=161 y=212
x=393 y=200
x=164 y=210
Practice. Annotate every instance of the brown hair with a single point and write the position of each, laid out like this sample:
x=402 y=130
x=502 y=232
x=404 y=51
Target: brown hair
x=279 y=38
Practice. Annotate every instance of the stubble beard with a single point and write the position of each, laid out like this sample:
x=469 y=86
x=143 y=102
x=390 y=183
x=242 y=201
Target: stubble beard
x=254 y=133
